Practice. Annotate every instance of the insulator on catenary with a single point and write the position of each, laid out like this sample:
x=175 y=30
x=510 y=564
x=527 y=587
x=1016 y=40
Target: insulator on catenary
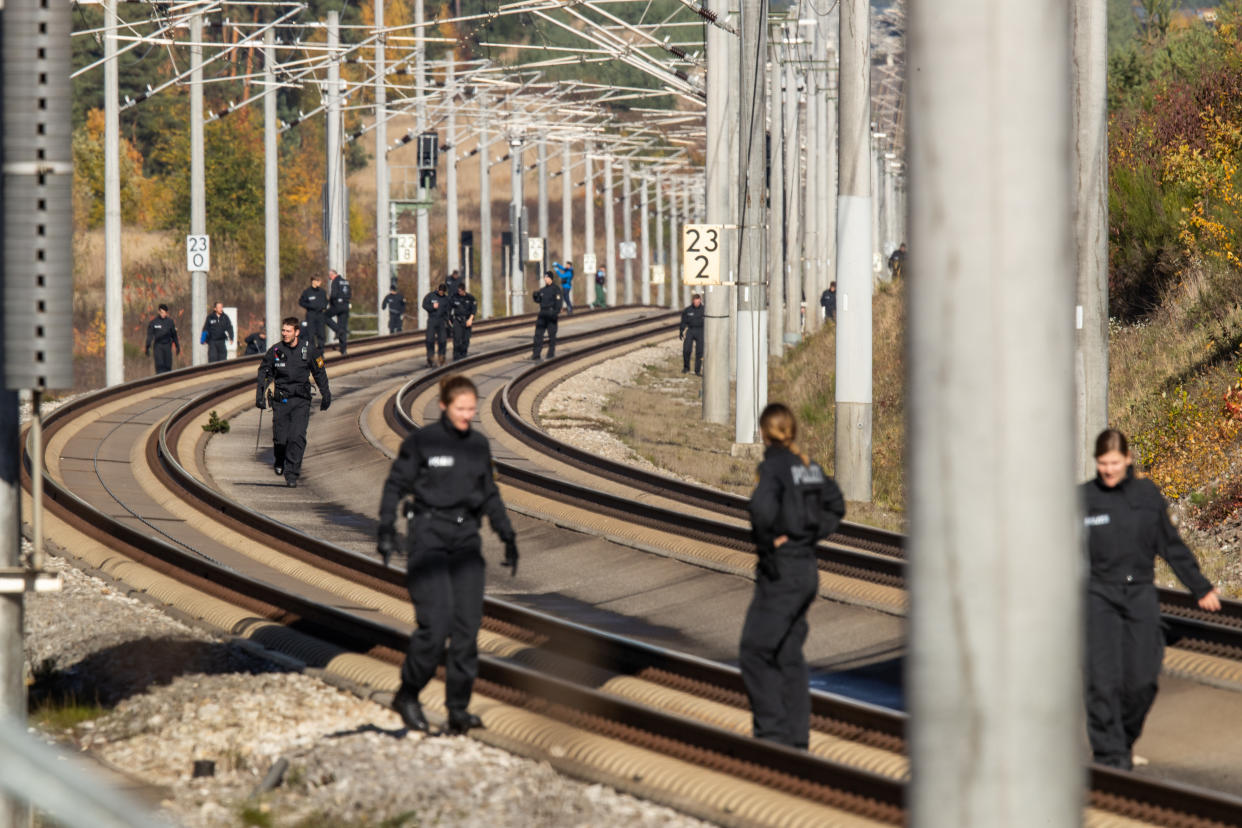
x=678 y=51
x=707 y=14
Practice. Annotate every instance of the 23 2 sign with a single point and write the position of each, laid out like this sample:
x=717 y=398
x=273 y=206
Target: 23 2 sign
x=700 y=244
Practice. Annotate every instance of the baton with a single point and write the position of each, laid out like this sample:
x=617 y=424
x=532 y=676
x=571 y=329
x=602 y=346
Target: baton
x=258 y=432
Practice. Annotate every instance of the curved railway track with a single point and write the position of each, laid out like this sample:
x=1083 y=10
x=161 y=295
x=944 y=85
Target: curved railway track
x=129 y=494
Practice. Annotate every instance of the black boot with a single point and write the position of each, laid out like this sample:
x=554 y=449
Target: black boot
x=411 y=712
x=463 y=721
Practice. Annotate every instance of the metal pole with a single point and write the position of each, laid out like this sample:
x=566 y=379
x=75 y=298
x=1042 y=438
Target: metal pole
x=644 y=240
x=588 y=208
x=661 y=297
x=686 y=213
x=114 y=321
x=485 y=219
x=334 y=133
x=627 y=227
x=542 y=207
x=567 y=213
x=996 y=573
x=793 y=206
x=736 y=177
x=1090 y=75
x=877 y=208
x=423 y=241
x=775 y=271
x=610 y=237
x=813 y=227
x=719 y=174
x=271 y=195
x=853 y=388
x=674 y=249
x=452 y=244
x=829 y=178
x=13 y=811
x=198 y=189
x=514 y=282
x=383 y=232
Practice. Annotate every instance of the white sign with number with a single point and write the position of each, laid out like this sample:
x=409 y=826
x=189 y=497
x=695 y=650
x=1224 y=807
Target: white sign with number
x=629 y=250
x=407 y=248
x=197 y=253
x=700 y=244
x=657 y=274
x=534 y=249
x=589 y=263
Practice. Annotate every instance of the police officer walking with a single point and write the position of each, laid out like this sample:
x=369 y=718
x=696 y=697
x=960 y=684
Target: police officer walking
x=692 y=321
x=289 y=365
x=315 y=300
x=548 y=298
x=447 y=468
x=450 y=284
x=337 y=316
x=793 y=507
x=461 y=310
x=828 y=301
x=216 y=330
x=394 y=303
x=436 y=304
x=162 y=333
x=1127 y=525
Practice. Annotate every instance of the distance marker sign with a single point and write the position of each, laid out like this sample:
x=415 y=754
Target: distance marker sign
x=700 y=244
x=197 y=253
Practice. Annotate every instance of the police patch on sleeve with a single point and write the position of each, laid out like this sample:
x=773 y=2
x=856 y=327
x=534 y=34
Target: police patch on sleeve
x=319 y=361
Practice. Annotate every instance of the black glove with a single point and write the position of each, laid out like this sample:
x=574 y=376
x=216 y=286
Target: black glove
x=511 y=556
x=681 y=335
x=387 y=544
x=325 y=401
x=767 y=567
x=260 y=403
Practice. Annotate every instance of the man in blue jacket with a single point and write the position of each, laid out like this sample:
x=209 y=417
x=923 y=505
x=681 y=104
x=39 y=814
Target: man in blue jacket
x=565 y=273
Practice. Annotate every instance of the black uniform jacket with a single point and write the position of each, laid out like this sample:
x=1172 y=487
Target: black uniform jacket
x=315 y=300
x=463 y=307
x=795 y=499
x=292 y=366
x=162 y=332
x=691 y=318
x=1127 y=527
x=550 y=300
x=436 y=314
x=445 y=469
x=218 y=328
x=256 y=343
x=394 y=303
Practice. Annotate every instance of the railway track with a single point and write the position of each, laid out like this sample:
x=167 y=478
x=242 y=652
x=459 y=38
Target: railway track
x=675 y=723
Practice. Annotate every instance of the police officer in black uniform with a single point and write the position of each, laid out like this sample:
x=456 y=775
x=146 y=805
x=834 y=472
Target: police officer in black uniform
x=793 y=507
x=461 y=310
x=447 y=468
x=217 y=328
x=256 y=343
x=550 y=299
x=692 y=321
x=1127 y=525
x=162 y=333
x=394 y=303
x=291 y=363
x=450 y=284
x=315 y=300
x=436 y=304
x=337 y=317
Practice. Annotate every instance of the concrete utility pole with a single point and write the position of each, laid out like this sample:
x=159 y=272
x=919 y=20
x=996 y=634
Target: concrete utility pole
x=853 y=391
x=423 y=242
x=383 y=232
x=793 y=203
x=1090 y=76
x=719 y=174
x=334 y=133
x=588 y=208
x=674 y=248
x=661 y=297
x=644 y=241
x=813 y=226
x=627 y=227
x=452 y=244
x=515 y=283
x=828 y=172
x=877 y=205
x=995 y=550
x=114 y=320
x=752 y=311
x=567 y=213
x=198 y=188
x=485 y=218
x=14 y=813
x=610 y=237
x=542 y=153
x=686 y=213
x=271 y=194
x=776 y=217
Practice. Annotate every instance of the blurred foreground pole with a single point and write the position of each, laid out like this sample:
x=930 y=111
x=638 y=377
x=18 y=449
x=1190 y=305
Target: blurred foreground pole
x=198 y=190
x=1090 y=69
x=995 y=581
x=719 y=177
x=422 y=226
x=114 y=317
x=13 y=812
x=271 y=194
x=776 y=212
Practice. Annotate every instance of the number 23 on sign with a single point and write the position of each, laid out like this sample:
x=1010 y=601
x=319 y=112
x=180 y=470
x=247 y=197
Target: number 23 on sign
x=700 y=244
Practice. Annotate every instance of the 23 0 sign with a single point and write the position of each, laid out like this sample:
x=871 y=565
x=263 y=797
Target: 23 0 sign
x=700 y=244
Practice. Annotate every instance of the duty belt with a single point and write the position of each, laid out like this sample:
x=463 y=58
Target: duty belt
x=459 y=515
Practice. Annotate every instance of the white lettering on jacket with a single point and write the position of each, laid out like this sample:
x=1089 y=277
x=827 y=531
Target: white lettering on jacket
x=1096 y=520
x=806 y=474
x=443 y=461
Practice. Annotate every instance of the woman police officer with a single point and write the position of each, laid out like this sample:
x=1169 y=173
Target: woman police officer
x=793 y=507
x=448 y=470
x=1127 y=525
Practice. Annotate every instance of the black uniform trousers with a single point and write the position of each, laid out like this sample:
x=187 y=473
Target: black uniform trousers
x=774 y=670
x=445 y=580
x=549 y=324
x=1125 y=650
x=437 y=338
x=461 y=340
x=289 y=420
x=316 y=328
x=693 y=339
x=339 y=323
x=395 y=321
x=163 y=357
x=217 y=350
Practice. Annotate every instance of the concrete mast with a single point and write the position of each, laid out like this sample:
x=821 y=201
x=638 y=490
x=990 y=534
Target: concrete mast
x=271 y=195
